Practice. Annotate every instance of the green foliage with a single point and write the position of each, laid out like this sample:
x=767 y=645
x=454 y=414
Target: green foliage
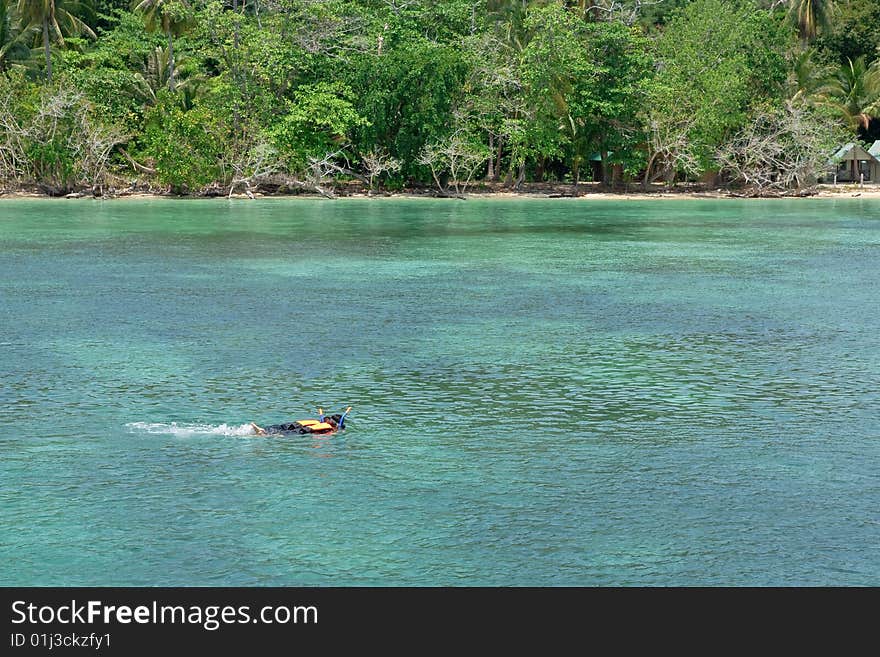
x=123 y=44
x=716 y=60
x=512 y=88
x=585 y=83
x=317 y=122
x=854 y=93
x=168 y=16
x=53 y=162
x=559 y=74
x=657 y=14
x=13 y=37
x=408 y=94
x=52 y=136
x=810 y=16
x=111 y=74
x=186 y=146
x=113 y=93
x=50 y=21
x=854 y=31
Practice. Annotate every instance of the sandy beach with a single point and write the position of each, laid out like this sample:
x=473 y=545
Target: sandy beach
x=585 y=191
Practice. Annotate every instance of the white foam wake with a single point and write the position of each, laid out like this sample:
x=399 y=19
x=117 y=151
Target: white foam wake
x=191 y=429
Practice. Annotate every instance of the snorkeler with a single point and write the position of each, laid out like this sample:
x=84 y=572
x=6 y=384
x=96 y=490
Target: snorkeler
x=324 y=425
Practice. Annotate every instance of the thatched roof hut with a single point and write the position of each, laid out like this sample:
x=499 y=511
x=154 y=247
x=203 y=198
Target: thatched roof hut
x=854 y=163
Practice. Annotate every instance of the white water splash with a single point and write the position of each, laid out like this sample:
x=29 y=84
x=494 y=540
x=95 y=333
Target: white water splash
x=191 y=429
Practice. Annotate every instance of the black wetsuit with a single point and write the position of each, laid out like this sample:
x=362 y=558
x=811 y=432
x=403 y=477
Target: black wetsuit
x=292 y=427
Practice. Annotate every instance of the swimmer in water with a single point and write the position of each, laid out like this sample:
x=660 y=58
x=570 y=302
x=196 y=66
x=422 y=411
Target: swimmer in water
x=325 y=424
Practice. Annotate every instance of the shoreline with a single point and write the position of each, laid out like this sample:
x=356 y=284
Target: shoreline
x=540 y=191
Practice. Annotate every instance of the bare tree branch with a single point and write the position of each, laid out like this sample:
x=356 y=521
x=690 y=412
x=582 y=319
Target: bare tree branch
x=780 y=149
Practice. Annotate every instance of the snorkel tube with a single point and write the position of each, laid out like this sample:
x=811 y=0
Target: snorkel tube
x=341 y=424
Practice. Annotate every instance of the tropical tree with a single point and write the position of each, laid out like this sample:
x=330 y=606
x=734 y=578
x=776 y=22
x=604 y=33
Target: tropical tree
x=317 y=123
x=157 y=72
x=408 y=93
x=588 y=79
x=493 y=94
x=716 y=60
x=508 y=18
x=186 y=147
x=854 y=92
x=811 y=16
x=172 y=17
x=12 y=39
x=53 y=19
x=807 y=79
x=854 y=31
x=497 y=88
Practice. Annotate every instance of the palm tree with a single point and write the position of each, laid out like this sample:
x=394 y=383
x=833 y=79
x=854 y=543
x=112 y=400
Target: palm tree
x=173 y=17
x=811 y=16
x=510 y=17
x=155 y=74
x=54 y=18
x=854 y=91
x=807 y=80
x=12 y=38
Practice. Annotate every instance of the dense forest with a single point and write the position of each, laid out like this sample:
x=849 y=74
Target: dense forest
x=202 y=96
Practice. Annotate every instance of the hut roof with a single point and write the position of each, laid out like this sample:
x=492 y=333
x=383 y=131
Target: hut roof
x=854 y=151
x=843 y=150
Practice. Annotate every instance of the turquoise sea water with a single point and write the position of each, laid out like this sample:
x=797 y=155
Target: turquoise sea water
x=545 y=392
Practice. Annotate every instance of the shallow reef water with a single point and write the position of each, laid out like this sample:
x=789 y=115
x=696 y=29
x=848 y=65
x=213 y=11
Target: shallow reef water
x=545 y=392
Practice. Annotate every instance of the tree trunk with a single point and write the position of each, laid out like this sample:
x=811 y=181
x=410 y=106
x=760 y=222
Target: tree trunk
x=235 y=75
x=170 y=61
x=606 y=170
x=46 y=49
x=616 y=175
x=235 y=28
x=521 y=176
x=490 y=172
x=646 y=180
x=498 y=159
